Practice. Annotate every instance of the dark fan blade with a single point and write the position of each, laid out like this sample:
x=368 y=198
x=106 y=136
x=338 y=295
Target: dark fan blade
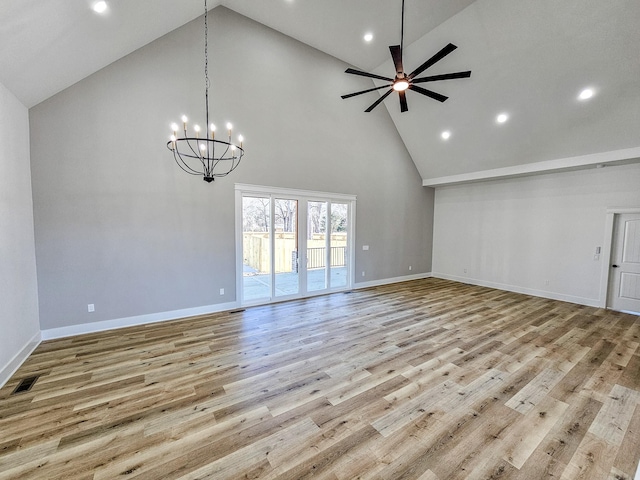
x=364 y=91
x=428 y=93
x=446 y=76
x=379 y=101
x=436 y=58
x=365 y=74
x=396 y=54
x=403 y=101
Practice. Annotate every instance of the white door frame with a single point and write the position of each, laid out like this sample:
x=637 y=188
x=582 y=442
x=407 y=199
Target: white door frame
x=305 y=195
x=605 y=273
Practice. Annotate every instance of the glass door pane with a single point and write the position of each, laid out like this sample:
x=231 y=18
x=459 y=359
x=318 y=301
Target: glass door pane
x=338 y=244
x=287 y=278
x=316 y=246
x=256 y=248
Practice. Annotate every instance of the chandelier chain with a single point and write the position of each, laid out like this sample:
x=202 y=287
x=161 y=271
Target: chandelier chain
x=206 y=48
x=206 y=65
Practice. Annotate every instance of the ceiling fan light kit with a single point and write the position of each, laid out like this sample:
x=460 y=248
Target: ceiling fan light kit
x=403 y=82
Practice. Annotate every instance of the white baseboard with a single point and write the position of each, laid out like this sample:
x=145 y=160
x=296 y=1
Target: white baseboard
x=83 y=328
x=71 y=330
x=387 y=281
x=18 y=359
x=590 y=302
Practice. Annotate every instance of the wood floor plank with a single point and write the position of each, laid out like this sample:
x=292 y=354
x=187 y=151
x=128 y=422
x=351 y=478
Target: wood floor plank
x=554 y=453
x=527 y=434
x=428 y=380
x=626 y=462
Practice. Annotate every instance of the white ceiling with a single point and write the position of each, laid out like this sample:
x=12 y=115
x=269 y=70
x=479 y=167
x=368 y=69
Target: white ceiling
x=529 y=59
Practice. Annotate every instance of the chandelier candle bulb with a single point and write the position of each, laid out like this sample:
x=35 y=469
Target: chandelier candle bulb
x=240 y=139
x=184 y=122
x=213 y=131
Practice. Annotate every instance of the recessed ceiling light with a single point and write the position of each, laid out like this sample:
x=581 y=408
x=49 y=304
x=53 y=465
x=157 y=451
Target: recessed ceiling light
x=503 y=117
x=586 y=94
x=368 y=37
x=445 y=135
x=100 y=7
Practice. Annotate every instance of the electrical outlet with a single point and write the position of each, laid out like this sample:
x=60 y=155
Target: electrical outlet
x=91 y=308
x=465 y=270
x=363 y=273
x=365 y=247
x=222 y=291
x=546 y=282
x=409 y=267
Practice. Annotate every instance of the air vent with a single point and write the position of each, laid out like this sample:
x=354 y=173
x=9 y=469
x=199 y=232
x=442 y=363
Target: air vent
x=237 y=311
x=25 y=385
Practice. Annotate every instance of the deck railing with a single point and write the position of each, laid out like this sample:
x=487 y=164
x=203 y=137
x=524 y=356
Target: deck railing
x=317 y=257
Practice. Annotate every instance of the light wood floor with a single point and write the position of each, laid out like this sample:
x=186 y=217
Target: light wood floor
x=426 y=380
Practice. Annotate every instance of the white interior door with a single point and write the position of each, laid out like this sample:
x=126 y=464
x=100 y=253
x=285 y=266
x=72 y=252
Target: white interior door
x=624 y=284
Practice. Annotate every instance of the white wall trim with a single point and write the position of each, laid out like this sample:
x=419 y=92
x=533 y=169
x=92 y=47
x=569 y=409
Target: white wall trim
x=590 y=302
x=627 y=155
x=18 y=359
x=310 y=194
x=72 y=330
x=83 y=328
x=387 y=281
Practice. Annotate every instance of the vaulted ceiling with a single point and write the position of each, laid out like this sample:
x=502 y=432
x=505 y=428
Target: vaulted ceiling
x=530 y=60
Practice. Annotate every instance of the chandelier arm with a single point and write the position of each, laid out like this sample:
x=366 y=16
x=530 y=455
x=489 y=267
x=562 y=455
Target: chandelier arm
x=186 y=164
x=181 y=162
x=235 y=163
x=225 y=151
x=188 y=140
x=195 y=156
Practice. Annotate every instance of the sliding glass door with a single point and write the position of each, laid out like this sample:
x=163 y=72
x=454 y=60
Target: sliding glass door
x=316 y=246
x=292 y=244
x=286 y=274
x=338 y=243
x=256 y=247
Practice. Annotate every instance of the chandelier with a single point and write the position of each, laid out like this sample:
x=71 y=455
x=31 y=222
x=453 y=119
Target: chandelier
x=201 y=153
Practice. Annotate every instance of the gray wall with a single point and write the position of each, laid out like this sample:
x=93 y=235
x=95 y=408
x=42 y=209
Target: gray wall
x=18 y=289
x=118 y=224
x=517 y=234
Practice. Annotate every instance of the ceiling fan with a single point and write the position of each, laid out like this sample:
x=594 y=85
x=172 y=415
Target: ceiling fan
x=403 y=82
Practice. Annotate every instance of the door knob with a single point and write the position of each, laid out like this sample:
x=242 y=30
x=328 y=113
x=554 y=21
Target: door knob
x=614 y=266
